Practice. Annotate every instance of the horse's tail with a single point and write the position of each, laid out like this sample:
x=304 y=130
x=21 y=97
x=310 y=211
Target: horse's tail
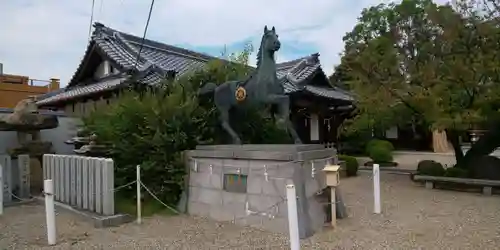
x=207 y=88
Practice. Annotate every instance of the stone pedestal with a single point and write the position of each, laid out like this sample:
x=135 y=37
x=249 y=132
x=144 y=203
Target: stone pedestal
x=246 y=184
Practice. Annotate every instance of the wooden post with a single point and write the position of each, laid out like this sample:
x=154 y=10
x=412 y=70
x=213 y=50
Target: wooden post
x=332 y=180
x=334 y=206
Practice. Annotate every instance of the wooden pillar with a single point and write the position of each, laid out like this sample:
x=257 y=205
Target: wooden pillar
x=333 y=206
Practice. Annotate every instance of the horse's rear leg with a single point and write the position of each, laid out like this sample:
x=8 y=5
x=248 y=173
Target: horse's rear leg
x=224 y=119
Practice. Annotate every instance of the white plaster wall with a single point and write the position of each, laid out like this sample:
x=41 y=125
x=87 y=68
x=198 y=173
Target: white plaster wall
x=66 y=130
x=102 y=70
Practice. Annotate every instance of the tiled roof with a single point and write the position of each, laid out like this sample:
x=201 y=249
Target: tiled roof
x=334 y=92
x=51 y=93
x=156 y=59
x=80 y=91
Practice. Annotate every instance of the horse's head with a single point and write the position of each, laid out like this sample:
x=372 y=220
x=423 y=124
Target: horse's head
x=270 y=41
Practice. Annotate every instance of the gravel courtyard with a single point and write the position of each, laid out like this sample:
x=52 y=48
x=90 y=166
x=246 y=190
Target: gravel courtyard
x=413 y=218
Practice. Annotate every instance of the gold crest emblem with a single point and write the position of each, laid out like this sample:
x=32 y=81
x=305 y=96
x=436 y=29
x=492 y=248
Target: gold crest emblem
x=240 y=94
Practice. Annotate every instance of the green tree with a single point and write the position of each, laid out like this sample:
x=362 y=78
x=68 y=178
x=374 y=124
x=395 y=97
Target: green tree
x=433 y=65
x=340 y=76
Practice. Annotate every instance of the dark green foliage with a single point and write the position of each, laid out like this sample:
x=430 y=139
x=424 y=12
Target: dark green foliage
x=436 y=66
x=150 y=132
x=154 y=128
x=354 y=143
x=486 y=167
x=351 y=164
x=255 y=127
x=430 y=167
x=456 y=172
x=380 y=151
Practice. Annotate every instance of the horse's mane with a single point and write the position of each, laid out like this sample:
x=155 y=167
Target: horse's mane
x=259 y=53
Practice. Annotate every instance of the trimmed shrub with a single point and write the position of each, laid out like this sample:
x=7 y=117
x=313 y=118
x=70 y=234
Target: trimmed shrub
x=351 y=164
x=380 y=151
x=456 y=172
x=377 y=143
x=380 y=155
x=431 y=168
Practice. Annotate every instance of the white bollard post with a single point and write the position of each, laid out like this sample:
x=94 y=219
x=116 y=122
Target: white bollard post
x=376 y=189
x=50 y=214
x=1 y=189
x=138 y=184
x=293 y=220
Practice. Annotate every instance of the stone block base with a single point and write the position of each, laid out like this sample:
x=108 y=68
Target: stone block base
x=246 y=184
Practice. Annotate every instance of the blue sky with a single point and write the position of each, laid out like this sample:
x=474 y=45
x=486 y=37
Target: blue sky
x=44 y=39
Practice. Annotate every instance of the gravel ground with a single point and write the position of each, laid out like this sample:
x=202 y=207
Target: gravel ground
x=412 y=218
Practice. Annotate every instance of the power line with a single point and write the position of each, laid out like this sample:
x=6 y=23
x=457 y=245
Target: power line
x=91 y=18
x=100 y=10
x=145 y=31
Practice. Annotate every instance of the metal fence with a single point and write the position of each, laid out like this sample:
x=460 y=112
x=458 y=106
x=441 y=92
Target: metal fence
x=83 y=182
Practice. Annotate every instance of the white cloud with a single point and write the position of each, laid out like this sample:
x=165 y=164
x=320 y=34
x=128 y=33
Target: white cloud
x=44 y=39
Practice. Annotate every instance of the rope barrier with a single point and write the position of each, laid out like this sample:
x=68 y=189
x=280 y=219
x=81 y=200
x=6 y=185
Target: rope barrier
x=157 y=199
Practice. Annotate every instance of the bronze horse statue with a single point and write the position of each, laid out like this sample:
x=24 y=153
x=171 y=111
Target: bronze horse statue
x=262 y=87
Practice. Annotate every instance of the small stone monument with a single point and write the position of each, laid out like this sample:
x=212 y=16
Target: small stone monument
x=27 y=123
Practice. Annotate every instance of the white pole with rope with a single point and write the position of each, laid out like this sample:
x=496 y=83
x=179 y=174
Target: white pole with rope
x=50 y=214
x=376 y=189
x=293 y=220
x=138 y=186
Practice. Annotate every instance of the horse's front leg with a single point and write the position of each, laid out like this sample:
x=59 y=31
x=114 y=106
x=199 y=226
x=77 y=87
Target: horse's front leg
x=283 y=104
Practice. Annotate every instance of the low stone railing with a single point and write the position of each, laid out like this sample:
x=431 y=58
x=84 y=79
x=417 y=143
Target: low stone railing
x=83 y=182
